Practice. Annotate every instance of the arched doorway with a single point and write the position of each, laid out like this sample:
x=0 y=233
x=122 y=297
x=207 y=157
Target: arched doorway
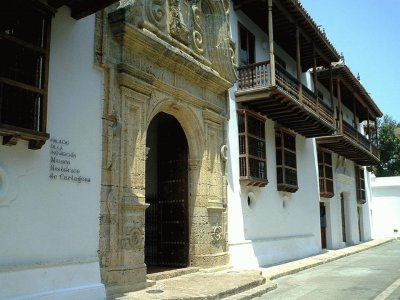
x=166 y=223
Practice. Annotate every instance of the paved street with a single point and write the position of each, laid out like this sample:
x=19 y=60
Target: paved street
x=372 y=274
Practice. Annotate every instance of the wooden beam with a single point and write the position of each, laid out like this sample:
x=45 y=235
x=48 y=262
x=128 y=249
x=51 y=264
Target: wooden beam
x=369 y=130
x=298 y=61
x=271 y=43
x=331 y=87
x=354 y=93
x=83 y=8
x=315 y=74
x=355 y=113
x=306 y=36
x=57 y=3
x=340 y=106
x=242 y=3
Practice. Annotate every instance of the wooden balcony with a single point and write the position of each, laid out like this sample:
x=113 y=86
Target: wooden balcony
x=350 y=93
x=352 y=145
x=288 y=102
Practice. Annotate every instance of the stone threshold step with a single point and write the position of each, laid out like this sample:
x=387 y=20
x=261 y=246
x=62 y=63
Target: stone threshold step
x=171 y=273
x=241 y=288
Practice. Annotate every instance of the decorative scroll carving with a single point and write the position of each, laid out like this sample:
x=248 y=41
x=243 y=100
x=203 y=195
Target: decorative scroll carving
x=232 y=51
x=198 y=31
x=224 y=152
x=177 y=25
x=156 y=14
x=226 y=6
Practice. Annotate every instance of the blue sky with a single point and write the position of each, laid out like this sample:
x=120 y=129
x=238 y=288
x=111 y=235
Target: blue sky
x=368 y=34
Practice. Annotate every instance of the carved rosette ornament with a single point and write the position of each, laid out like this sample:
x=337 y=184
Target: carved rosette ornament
x=217 y=233
x=198 y=31
x=177 y=26
x=133 y=239
x=156 y=14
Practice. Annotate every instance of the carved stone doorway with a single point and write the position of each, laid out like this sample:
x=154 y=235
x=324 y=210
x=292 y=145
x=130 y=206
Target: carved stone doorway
x=166 y=220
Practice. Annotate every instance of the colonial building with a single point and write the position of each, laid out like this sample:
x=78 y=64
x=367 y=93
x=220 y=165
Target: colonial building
x=50 y=153
x=168 y=66
x=125 y=152
x=285 y=121
x=343 y=156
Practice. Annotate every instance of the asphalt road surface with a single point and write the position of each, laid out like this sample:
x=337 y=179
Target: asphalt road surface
x=371 y=274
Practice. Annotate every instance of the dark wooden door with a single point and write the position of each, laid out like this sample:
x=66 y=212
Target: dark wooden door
x=173 y=196
x=342 y=209
x=167 y=234
x=322 y=212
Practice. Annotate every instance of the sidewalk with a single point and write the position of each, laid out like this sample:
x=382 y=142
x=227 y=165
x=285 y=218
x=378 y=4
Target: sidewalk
x=281 y=270
x=237 y=284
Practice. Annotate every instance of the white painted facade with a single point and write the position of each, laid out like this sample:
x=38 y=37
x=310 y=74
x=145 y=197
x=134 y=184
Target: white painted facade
x=385 y=208
x=49 y=228
x=357 y=216
x=357 y=221
x=272 y=226
x=275 y=226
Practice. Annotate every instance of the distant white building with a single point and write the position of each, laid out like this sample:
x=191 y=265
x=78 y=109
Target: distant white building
x=385 y=206
x=50 y=154
x=295 y=163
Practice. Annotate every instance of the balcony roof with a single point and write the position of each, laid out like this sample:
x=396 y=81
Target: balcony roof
x=286 y=14
x=349 y=149
x=351 y=90
x=81 y=8
x=281 y=107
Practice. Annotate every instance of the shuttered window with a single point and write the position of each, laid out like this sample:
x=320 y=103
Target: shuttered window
x=325 y=173
x=252 y=157
x=24 y=43
x=360 y=182
x=286 y=166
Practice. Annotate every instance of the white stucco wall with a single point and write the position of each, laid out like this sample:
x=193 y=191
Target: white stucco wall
x=344 y=182
x=277 y=226
x=385 y=206
x=49 y=228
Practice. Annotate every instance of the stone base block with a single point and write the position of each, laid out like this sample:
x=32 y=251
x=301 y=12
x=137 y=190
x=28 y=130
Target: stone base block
x=124 y=279
x=210 y=260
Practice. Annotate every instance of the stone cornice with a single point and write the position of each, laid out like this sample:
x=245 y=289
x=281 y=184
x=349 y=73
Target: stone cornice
x=168 y=56
x=129 y=77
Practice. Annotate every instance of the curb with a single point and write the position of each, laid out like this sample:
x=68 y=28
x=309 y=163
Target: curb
x=296 y=266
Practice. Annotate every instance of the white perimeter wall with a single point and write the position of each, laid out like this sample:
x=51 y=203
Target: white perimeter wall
x=276 y=227
x=49 y=228
x=385 y=206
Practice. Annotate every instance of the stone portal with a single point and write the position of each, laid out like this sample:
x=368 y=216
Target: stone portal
x=168 y=66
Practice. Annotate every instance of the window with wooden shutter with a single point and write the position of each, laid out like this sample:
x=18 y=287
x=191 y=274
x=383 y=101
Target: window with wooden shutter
x=252 y=157
x=286 y=166
x=325 y=173
x=24 y=43
x=360 y=182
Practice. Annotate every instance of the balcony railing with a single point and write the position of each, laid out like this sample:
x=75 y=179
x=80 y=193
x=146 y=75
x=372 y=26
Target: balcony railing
x=353 y=133
x=287 y=82
x=254 y=75
x=258 y=75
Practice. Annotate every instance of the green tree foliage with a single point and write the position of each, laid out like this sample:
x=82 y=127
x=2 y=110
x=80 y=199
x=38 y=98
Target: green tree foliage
x=389 y=148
